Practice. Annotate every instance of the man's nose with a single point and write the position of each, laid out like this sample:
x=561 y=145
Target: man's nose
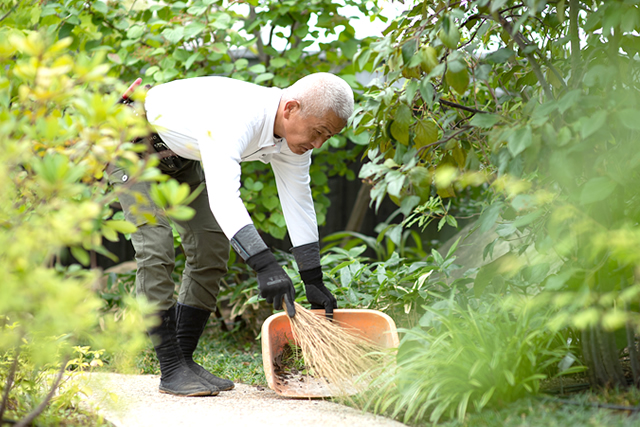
x=317 y=143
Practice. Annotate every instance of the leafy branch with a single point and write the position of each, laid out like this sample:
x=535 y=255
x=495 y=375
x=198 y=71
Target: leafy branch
x=460 y=107
x=10 y=11
x=447 y=139
x=8 y=385
x=32 y=416
x=524 y=46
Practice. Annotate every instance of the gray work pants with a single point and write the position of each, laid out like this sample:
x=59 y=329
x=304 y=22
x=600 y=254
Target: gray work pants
x=205 y=245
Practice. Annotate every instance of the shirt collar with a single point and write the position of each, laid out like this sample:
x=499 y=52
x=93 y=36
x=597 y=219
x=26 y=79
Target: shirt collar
x=271 y=109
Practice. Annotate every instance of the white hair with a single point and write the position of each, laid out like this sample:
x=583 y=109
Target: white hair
x=320 y=93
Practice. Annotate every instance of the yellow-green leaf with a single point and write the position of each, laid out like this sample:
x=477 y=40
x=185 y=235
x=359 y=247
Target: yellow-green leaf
x=426 y=132
x=428 y=58
x=458 y=81
x=181 y=213
x=400 y=125
x=400 y=132
x=81 y=255
x=450 y=37
x=121 y=226
x=459 y=155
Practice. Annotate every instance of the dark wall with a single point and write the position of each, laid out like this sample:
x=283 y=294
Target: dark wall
x=343 y=194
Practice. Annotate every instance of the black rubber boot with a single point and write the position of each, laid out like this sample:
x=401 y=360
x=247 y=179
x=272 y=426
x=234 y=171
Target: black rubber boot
x=176 y=377
x=190 y=325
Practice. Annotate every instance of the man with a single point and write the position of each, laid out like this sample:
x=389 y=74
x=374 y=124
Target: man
x=210 y=125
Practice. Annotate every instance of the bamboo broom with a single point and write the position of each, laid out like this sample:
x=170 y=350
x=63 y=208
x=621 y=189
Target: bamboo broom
x=335 y=353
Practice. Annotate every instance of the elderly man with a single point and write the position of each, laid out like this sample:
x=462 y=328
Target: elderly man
x=205 y=127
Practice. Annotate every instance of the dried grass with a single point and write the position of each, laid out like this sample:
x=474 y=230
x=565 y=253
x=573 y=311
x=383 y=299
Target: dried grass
x=334 y=352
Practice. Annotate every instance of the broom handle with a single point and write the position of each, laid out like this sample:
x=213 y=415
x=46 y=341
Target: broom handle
x=127 y=93
x=290 y=308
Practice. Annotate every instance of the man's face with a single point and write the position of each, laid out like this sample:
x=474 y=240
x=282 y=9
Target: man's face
x=306 y=133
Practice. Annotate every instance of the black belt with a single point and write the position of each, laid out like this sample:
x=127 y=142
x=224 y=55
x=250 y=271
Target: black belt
x=167 y=156
x=157 y=147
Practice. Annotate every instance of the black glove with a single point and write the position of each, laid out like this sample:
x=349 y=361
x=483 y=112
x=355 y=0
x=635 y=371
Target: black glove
x=273 y=282
x=317 y=294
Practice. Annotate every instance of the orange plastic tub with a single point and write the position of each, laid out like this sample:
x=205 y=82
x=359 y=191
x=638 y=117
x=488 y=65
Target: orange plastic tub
x=276 y=333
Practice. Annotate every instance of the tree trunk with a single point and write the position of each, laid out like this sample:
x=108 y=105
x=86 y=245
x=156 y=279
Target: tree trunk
x=574 y=8
x=585 y=341
x=633 y=354
x=611 y=358
x=359 y=208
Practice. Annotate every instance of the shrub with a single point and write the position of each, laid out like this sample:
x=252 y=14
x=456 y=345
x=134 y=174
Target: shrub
x=60 y=127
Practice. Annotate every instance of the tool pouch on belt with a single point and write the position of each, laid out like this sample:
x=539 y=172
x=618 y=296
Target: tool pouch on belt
x=156 y=146
x=167 y=157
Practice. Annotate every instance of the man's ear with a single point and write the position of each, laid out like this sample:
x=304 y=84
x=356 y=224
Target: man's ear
x=290 y=107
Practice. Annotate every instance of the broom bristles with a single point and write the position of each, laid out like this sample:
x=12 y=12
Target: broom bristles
x=336 y=353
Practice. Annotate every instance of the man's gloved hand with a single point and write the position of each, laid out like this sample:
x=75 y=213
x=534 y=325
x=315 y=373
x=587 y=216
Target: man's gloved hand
x=317 y=293
x=273 y=281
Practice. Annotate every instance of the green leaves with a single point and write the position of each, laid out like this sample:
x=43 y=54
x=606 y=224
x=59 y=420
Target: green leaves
x=500 y=56
x=264 y=77
x=428 y=58
x=60 y=128
x=596 y=190
x=474 y=356
x=489 y=217
x=193 y=29
x=408 y=50
x=395 y=182
x=173 y=35
x=630 y=118
x=449 y=35
x=426 y=132
x=124 y=227
x=459 y=81
x=172 y=197
x=590 y=125
x=519 y=140
x=100 y=6
x=400 y=125
x=484 y=120
x=135 y=31
x=111 y=228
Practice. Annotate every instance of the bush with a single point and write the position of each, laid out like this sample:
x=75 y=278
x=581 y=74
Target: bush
x=60 y=127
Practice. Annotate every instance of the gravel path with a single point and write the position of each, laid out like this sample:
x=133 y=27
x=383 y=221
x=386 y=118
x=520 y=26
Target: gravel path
x=134 y=401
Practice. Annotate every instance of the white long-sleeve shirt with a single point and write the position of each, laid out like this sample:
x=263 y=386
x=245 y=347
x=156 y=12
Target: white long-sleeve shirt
x=223 y=122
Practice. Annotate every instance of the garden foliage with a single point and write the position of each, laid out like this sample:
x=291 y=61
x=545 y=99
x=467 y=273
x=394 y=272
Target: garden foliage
x=64 y=66
x=61 y=126
x=269 y=43
x=537 y=103
x=533 y=104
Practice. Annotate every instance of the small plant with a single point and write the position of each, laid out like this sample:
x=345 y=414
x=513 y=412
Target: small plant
x=396 y=286
x=46 y=391
x=118 y=287
x=292 y=358
x=392 y=238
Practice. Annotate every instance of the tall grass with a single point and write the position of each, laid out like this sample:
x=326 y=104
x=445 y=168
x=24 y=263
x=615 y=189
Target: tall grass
x=464 y=358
